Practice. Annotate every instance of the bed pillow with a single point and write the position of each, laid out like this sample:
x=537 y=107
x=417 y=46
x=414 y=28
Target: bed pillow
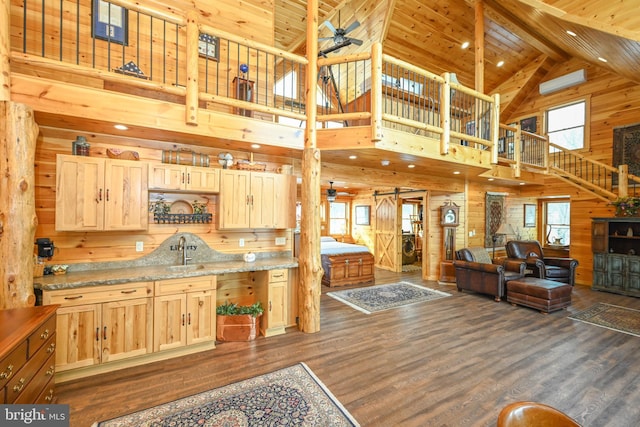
x=327 y=239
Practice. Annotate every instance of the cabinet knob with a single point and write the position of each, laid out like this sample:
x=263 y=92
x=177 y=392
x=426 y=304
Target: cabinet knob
x=51 y=348
x=7 y=373
x=44 y=335
x=18 y=387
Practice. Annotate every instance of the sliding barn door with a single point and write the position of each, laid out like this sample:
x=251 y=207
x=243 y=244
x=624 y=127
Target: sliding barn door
x=387 y=227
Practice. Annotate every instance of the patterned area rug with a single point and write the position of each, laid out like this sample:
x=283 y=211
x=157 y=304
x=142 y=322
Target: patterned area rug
x=287 y=397
x=410 y=267
x=385 y=297
x=609 y=316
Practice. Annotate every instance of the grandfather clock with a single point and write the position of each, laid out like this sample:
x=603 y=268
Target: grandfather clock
x=449 y=220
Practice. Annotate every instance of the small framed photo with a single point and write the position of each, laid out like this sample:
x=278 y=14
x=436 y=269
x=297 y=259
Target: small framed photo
x=109 y=22
x=363 y=215
x=529 y=215
x=529 y=124
x=208 y=46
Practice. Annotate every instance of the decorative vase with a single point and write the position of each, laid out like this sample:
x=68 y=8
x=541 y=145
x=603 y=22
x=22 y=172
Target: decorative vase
x=237 y=327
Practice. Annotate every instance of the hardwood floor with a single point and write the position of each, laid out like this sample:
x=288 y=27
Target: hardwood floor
x=455 y=361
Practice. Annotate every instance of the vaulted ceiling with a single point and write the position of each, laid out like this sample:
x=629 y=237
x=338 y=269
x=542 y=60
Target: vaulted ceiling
x=430 y=33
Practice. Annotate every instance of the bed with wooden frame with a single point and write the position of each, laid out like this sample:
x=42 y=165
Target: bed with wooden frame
x=345 y=263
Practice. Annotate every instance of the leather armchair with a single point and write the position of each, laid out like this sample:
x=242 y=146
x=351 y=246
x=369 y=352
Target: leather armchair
x=550 y=268
x=476 y=272
x=525 y=414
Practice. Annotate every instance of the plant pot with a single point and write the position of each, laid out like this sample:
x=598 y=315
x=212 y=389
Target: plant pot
x=239 y=327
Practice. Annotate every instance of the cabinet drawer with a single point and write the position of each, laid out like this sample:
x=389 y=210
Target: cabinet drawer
x=176 y=286
x=12 y=363
x=48 y=394
x=41 y=335
x=281 y=275
x=22 y=379
x=30 y=394
x=98 y=294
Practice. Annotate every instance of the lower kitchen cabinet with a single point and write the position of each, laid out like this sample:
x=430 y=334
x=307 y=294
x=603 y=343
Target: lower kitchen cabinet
x=184 y=312
x=275 y=295
x=102 y=324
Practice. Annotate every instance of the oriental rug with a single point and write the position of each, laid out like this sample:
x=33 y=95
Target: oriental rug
x=385 y=297
x=292 y=396
x=612 y=317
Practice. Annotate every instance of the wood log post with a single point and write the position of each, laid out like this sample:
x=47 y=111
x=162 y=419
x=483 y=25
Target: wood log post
x=5 y=47
x=479 y=45
x=445 y=114
x=309 y=264
x=18 y=219
x=376 y=92
x=191 y=98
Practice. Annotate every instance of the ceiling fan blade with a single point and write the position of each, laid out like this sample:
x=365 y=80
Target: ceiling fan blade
x=355 y=41
x=322 y=39
x=352 y=27
x=330 y=26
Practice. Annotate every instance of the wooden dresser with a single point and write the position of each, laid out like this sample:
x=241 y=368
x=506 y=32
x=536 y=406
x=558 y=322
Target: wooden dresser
x=27 y=354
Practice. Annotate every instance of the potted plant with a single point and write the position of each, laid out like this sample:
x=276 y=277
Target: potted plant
x=238 y=322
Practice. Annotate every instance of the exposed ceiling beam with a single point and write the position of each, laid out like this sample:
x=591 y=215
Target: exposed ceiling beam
x=600 y=24
x=497 y=13
x=387 y=20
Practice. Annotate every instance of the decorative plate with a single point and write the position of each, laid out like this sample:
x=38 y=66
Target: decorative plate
x=181 y=207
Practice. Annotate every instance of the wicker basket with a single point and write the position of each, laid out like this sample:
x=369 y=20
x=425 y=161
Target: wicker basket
x=247 y=166
x=38 y=269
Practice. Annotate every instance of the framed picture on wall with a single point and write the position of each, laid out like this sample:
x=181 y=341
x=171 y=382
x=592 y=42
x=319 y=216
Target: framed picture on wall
x=363 y=215
x=529 y=215
x=208 y=46
x=109 y=22
x=529 y=124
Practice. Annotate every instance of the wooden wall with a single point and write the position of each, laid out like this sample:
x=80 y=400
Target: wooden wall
x=79 y=247
x=614 y=101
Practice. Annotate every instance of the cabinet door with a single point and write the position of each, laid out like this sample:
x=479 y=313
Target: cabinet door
x=201 y=316
x=285 y=201
x=633 y=275
x=126 y=329
x=263 y=200
x=166 y=177
x=203 y=179
x=616 y=271
x=599 y=236
x=126 y=193
x=169 y=320
x=79 y=193
x=234 y=199
x=78 y=336
x=277 y=310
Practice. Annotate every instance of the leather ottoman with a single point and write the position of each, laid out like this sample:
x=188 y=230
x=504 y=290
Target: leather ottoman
x=541 y=294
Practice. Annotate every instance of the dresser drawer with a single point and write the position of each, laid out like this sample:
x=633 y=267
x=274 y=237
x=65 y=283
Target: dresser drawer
x=22 y=379
x=12 y=363
x=37 y=385
x=176 y=286
x=41 y=335
x=48 y=394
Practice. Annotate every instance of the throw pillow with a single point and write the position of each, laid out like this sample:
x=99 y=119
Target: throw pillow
x=480 y=255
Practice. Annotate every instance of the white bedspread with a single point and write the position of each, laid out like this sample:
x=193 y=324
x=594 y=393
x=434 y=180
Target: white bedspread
x=338 y=248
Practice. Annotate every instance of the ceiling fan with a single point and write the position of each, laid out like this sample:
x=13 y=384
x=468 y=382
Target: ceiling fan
x=339 y=37
x=331 y=192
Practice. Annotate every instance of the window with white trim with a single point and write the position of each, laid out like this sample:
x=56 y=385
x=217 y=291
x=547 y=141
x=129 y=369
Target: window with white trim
x=566 y=125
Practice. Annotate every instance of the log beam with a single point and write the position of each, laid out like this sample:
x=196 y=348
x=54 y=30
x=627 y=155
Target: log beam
x=5 y=68
x=18 y=220
x=309 y=263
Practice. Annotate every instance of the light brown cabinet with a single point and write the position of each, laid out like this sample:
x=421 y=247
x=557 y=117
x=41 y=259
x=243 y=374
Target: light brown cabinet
x=275 y=294
x=184 y=312
x=170 y=177
x=27 y=355
x=256 y=200
x=102 y=324
x=94 y=194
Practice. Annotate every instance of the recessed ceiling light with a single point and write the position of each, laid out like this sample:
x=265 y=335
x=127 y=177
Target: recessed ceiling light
x=352 y=157
x=456 y=172
x=256 y=146
x=500 y=64
x=465 y=45
x=385 y=162
x=490 y=179
x=571 y=33
x=121 y=127
x=522 y=183
x=411 y=166
x=601 y=59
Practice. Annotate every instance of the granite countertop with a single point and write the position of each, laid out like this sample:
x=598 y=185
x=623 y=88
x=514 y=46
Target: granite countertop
x=113 y=276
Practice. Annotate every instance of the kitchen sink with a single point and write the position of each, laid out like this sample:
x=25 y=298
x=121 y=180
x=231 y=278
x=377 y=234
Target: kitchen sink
x=189 y=267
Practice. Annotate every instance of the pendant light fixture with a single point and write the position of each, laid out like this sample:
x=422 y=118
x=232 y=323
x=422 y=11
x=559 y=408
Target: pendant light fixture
x=331 y=192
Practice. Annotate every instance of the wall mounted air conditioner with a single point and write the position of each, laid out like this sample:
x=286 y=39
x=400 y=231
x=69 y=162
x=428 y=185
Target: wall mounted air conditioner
x=563 y=82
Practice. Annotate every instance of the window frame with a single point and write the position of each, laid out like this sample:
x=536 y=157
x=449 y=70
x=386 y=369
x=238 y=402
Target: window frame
x=545 y=230
x=586 y=140
x=347 y=218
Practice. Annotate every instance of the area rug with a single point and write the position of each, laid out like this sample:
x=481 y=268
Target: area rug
x=385 y=297
x=410 y=267
x=613 y=317
x=292 y=396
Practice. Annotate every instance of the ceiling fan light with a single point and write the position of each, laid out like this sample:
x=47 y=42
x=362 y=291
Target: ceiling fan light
x=331 y=192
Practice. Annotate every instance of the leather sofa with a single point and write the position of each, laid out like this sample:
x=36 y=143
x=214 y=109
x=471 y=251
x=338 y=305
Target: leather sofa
x=476 y=272
x=558 y=269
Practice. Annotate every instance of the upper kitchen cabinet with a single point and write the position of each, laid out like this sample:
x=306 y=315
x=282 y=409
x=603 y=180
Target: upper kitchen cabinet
x=256 y=200
x=96 y=194
x=170 y=177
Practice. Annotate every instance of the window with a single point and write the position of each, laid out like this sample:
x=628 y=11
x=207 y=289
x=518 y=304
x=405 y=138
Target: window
x=338 y=218
x=566 y=125
x=408 y=210
x=557 y=220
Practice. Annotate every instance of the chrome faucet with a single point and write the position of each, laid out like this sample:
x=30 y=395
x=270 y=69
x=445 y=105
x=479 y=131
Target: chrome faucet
x=182 y=246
